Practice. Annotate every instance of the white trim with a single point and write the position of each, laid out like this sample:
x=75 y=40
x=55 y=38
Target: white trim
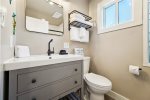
x=145 y=34
x=116 y=96
x=136 y=17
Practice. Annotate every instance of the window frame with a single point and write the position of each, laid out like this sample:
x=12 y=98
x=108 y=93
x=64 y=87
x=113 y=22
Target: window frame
x=146 y=58
x=136 y=16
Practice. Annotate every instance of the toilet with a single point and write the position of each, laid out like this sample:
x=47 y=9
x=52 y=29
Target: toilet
x=97 y=85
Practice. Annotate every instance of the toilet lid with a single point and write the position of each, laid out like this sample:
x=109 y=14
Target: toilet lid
x=98 y=80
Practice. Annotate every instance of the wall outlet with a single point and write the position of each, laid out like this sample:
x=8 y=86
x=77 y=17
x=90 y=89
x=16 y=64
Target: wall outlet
x=66 y=45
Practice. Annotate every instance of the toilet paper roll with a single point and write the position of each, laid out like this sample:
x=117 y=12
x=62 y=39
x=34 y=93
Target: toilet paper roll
x=134 y=69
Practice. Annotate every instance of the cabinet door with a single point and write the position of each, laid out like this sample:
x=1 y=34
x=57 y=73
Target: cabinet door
x=38 y=78
x=51 y=91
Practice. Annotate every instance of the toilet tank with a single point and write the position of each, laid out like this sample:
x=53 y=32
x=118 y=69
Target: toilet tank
x=86 y=64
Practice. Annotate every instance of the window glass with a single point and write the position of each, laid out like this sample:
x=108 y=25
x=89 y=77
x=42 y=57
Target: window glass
x=110 y=16
x=124 y=11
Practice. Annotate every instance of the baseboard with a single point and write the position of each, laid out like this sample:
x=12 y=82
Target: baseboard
x=116 y=96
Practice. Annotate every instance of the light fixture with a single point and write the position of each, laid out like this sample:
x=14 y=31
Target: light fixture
x=51 y=3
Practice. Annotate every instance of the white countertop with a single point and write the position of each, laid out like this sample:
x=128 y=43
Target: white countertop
x=38 y=60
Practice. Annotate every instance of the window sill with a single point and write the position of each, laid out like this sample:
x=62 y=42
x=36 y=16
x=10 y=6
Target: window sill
x=119 y=27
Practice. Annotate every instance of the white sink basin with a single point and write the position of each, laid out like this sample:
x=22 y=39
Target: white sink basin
x=39 y=60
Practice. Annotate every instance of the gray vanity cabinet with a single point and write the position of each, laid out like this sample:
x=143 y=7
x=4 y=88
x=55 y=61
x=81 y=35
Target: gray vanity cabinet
x=44 y=82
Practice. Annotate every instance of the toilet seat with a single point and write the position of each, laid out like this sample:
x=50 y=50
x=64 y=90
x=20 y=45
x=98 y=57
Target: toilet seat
x=97 y=81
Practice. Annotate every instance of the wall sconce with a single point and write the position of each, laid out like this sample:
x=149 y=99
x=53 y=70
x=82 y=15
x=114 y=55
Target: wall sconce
x=51 y=3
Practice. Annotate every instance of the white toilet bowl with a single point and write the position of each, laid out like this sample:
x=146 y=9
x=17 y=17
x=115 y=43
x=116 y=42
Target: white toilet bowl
x=97 y=86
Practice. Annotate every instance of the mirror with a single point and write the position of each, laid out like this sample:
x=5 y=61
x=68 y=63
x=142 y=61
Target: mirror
x=44 y=16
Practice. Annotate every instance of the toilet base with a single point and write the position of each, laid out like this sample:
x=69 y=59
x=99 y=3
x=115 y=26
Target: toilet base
x=96 y=96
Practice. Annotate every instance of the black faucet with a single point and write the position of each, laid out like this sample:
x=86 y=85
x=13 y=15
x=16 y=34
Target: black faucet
x=49 y=52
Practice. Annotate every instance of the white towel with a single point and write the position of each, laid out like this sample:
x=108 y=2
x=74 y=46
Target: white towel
x=78 y=16
x=84 y=35
x=74 y=34
x=82 y=32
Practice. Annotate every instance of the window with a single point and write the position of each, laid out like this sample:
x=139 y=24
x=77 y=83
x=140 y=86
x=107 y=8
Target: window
x=146 y=33
x=125 y=11
x=118 y=14
x=110 y=11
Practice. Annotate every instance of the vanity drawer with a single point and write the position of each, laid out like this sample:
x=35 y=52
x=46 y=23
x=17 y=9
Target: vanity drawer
x=53 y=90
x=32 y=80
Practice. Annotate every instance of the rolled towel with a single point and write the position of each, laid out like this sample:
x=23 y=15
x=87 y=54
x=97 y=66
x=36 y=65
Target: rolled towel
x=75 y=15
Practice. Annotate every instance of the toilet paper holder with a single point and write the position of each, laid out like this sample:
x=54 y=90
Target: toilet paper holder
x=135 y=69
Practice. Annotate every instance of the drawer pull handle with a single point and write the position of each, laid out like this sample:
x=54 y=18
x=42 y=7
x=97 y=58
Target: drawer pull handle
x=76 y=82
x=33 y=98
x=76 y=69
x=33 y=81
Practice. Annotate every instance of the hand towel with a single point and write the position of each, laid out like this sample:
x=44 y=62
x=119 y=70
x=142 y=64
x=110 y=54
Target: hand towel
x=84 y=35
x=74 y=34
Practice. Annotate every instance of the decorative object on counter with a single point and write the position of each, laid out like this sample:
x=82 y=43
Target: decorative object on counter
x=22 y=51
x=79 y=51
x=63 y=52
x=14 y=23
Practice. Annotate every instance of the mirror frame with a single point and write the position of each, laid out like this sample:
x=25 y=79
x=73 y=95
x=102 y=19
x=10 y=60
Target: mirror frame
x=51 y=30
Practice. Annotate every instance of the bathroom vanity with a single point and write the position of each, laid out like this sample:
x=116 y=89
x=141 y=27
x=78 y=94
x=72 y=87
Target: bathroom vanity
x=45 y=78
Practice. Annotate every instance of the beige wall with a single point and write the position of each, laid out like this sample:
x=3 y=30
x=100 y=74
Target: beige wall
x=38 y=42
x=113 y=52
